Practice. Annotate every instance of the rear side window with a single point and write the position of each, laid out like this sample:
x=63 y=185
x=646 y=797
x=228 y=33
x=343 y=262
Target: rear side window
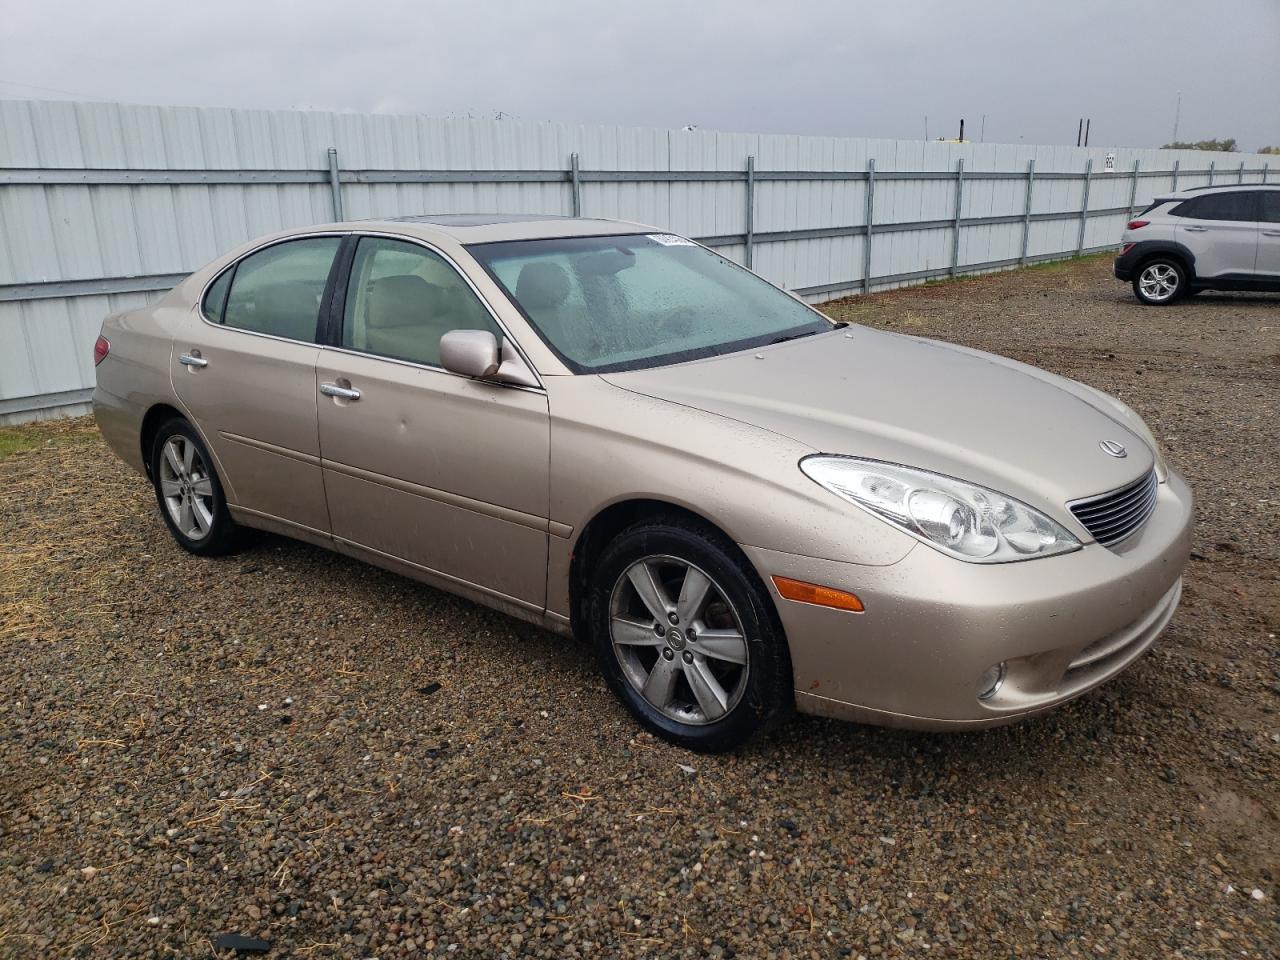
x=215 y=298
x=1236 y=205
x=1269 y=201
x=277 y=291
x=402 y=298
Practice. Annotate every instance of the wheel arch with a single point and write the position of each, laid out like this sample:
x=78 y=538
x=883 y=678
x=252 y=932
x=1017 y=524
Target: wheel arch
x=156 y=415
x=611 y=520
x=1155 y=249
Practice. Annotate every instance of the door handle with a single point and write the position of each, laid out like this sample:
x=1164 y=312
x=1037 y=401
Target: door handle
x=342 y=393
x=1195 y=229
x=1271 y=233
x=193 y=360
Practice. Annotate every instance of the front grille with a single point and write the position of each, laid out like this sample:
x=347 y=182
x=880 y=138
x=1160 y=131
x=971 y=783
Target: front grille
x=1111 y=517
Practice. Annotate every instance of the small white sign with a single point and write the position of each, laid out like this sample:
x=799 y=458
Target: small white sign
x=670 y=240
x=1109 y=164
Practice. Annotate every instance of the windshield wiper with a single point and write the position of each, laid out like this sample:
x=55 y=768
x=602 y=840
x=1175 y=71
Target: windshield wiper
x=792 y=336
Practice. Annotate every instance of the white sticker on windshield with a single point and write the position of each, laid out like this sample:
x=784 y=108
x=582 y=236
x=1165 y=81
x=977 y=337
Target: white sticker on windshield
x=670 y=240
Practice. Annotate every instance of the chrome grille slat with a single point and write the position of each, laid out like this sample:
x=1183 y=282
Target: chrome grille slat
x=1124 y=517
x=1114 y=505
x=1111 y=517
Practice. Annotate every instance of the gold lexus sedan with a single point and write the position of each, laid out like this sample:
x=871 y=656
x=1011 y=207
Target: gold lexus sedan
x=618 y=434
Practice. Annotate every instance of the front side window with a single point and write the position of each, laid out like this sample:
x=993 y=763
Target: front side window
x=278 y=290
x=1233 y=205
x=640 y=300
x=402 y=298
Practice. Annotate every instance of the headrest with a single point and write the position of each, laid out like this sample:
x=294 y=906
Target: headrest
x=542 y=285
x=398 y=301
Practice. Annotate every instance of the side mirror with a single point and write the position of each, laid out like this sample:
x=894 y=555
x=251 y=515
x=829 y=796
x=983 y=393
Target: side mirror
x=474 y=353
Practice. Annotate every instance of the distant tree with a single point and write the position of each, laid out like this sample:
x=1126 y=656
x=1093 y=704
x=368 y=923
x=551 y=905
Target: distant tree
x=1225 y=145
x=1271 y=150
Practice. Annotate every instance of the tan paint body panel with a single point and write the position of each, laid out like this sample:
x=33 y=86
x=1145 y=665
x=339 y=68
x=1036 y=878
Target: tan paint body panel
x=444 y=472
x=485 y=490
x=256 y=405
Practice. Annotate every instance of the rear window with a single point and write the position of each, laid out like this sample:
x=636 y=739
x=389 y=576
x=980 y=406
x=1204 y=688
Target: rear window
x=1236 y=205
x=1270 y=203
x=215 y=298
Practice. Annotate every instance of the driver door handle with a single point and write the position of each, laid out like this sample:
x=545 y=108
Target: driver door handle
x=343 y=393
x=190 y=360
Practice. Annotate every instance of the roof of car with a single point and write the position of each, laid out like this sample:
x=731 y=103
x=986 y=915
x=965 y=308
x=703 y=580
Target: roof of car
x=489 y=227
x=1188 y=192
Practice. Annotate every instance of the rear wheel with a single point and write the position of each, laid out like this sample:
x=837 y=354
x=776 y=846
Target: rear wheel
x=1160 y=281
x=189 y=493
x=686 y=638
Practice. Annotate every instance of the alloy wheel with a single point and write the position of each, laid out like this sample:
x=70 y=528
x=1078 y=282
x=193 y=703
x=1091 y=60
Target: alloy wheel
x=186 y=487
x=679 y=639
x=1159 y=282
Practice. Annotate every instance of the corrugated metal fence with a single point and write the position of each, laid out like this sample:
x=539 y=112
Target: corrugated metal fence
x=102 y=206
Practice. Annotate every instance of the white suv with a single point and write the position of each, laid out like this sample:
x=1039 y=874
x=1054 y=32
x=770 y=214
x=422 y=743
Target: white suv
x=1205 y=238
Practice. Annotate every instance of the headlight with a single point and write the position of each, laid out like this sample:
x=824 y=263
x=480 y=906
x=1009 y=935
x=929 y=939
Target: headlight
x=961 y=519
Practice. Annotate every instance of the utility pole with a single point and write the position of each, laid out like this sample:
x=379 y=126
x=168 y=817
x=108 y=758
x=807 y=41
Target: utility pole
x=1079 y=131
x=1177 y=115
x=1088 y=121
x=962 y=129
x=982 y=131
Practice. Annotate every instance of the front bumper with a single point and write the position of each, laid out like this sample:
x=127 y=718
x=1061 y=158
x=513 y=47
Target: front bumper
x=933 y=625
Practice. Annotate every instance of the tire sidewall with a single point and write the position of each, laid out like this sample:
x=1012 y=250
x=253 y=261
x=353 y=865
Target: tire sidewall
x=769 y=675
x=219 y=538
x=1178 y=293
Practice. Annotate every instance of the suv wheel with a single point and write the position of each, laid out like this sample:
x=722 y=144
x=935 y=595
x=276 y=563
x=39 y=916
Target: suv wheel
x=686 y=637
x=1160 y=281
x=189 y=493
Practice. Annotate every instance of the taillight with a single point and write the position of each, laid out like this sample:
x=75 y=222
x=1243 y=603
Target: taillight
x=1135 y=224
x=100 y=350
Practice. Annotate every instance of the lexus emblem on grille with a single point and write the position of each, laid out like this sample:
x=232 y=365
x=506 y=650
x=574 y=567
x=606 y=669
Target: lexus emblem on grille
x=1113 y=449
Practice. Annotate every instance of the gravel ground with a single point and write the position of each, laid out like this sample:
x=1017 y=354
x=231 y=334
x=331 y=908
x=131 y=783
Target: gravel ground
x=292 y=746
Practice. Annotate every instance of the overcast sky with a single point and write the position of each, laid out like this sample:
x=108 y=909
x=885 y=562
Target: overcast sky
x=862 y=69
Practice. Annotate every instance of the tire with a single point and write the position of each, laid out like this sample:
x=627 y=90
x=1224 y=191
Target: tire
x=1160 y=281
x=708 y=692
x=189 y=493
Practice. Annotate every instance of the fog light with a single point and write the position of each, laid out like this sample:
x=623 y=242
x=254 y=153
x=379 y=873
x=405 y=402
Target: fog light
x=991 y=681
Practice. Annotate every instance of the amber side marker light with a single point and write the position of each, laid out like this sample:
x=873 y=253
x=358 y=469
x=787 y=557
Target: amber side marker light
x=803 y=592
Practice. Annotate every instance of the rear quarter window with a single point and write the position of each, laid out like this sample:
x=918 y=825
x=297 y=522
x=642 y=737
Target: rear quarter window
x=215 y=298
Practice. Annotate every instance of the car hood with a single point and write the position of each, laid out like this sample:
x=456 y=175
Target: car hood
x=885 y=396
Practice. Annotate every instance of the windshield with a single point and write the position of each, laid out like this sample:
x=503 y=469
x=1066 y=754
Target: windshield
x=643 y=300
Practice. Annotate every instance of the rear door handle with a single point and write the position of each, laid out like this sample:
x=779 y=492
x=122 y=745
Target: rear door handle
x=1195 y=229
x=193 y=360
x=1271 y=233
x=342 y=393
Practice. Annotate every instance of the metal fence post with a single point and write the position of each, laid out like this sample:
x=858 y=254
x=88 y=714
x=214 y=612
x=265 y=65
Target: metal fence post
x=1212 y=164
x=1240 y=179
x=955 y=226
x=575 y=184
x=751 y=211
x=1176 y=163
x=1133 y=188
x=1026 y=211
x=1084 y=205
x=868 y=219
x=335 y=184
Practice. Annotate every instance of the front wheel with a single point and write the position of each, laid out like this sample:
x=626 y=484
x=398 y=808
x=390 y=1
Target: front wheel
x=686 y=637
x=1160 y=281
x=189 y=492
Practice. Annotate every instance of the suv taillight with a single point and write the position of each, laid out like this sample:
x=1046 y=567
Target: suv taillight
x=100 y=350
x=1135 y=224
